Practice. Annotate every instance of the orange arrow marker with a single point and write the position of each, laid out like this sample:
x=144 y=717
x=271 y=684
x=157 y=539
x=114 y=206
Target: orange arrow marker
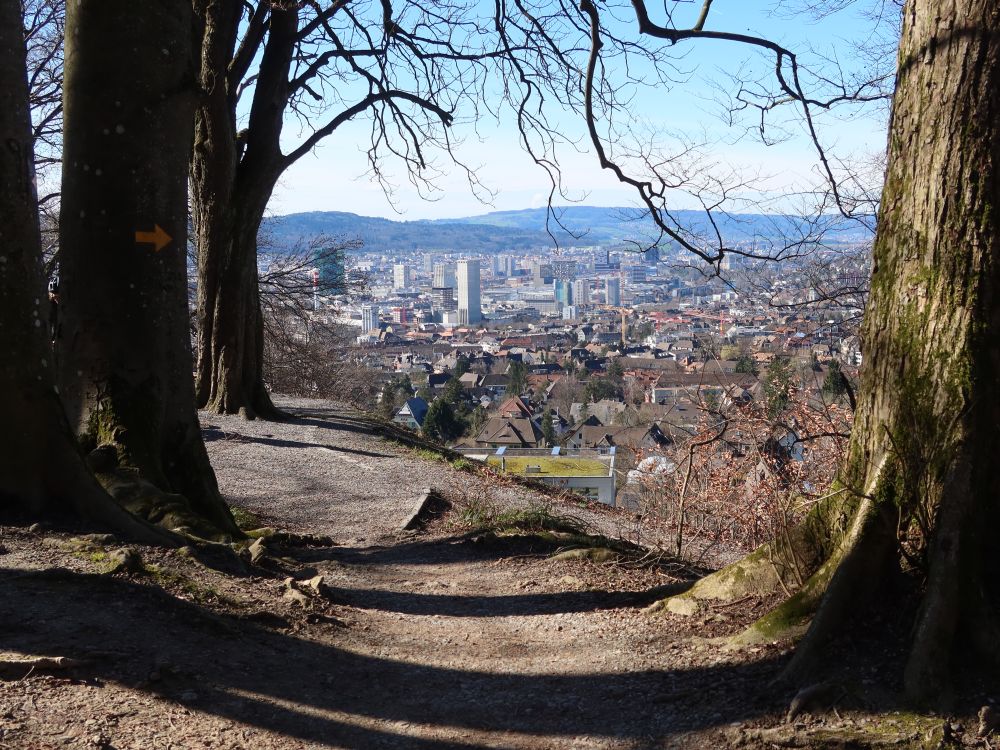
x=157 y=238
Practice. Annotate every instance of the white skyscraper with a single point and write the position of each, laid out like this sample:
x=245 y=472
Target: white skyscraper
x=400 y=276
x=469 y=308
x=581 y=292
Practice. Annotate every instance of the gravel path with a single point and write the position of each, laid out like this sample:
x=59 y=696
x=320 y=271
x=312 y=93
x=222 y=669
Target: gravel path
x=426 y=640
x=328 y=472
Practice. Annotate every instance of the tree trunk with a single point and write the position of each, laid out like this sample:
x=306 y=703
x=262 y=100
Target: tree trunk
x=230 y=342
x=232 y=177
x=125 y=354
x=43 y=470
x=922 y=457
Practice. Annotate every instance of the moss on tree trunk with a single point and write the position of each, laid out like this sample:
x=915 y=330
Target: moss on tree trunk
x=43 y=471
x=125 y=357
x=922 y=456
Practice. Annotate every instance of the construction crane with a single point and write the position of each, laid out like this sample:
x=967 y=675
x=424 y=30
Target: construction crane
x=723 y=319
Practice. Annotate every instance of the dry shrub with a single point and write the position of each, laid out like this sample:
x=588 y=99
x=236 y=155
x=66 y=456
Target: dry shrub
x=740 y=478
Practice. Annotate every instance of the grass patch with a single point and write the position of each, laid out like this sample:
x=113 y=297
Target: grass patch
x=463 y=464
x=551 y=466
x=99 y=558
x=245 y=519
x=482 y=515
x=166 y=578
x=429 y=455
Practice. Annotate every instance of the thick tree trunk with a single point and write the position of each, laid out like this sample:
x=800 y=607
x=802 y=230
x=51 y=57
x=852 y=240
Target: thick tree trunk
x=926 y=438
x=230 y=341
x=42 y=469
x=232 y=177
x=125 y=356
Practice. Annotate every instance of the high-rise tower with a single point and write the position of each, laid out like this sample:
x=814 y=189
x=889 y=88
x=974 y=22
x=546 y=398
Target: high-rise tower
x=469 y=307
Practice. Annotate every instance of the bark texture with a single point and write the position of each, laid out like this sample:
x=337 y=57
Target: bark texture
x=233 y=175
x=125 y=355
x=926 y=439
x=42 y=469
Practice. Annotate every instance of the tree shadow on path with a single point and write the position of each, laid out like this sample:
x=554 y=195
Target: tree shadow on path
x=318 y=692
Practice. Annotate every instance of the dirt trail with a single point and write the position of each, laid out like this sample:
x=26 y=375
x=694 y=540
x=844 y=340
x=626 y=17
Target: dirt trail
x=436 y=639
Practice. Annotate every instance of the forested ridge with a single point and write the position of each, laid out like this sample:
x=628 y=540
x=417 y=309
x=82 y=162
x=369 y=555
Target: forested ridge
x=514 y=231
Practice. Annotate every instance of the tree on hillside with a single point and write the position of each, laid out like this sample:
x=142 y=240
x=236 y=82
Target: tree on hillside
x=776 y=386
x=453 y=392
x=441 y=423
x=477 y=420
x=917 y=490
x=124 y=356
x=517 y=374
x=833 y=383
x=616 y=371
x=43 y=469
x=548 y=428
x=404 y=68
x=598 y=389
x=745 y=365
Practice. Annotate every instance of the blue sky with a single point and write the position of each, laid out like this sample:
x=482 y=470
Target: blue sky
x=333 y=177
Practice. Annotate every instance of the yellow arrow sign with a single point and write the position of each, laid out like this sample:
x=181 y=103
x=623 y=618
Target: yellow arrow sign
x=157 y=238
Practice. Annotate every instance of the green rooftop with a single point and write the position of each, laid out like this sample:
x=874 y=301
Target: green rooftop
x=553 y=466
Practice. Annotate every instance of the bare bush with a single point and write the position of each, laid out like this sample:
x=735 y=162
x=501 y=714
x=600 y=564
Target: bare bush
x=744 y=475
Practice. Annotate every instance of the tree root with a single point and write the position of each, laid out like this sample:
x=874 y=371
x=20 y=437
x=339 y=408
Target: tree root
x=777 y=567
x=170 y=511
x=22 y=667
x=290 y=539
x=594 y=554
x=941 y=609
x=843 y=583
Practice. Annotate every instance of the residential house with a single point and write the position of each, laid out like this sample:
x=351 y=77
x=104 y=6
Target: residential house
x=605 y=410
x=515 y=406
x=642 y=437
x=495 y=385
x=516 y=432
x=412 y=413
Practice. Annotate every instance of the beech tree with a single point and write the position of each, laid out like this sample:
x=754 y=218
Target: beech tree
x=43 y=470
x=404 y=67
x=124 y=353
x=917 y=493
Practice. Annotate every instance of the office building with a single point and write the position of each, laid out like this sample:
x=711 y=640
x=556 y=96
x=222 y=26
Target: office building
x=443 y=298
x=369 y=318
x=613 y=291
x=564 y=269
x=469 y=307
x=400 y=276
x=581 y=292
x=635 y=274
x=444 y=276
x=563 y=291
x=541 y=274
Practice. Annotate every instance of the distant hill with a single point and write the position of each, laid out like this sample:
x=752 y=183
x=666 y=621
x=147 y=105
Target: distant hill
x=526 y=229
x=385 y=235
